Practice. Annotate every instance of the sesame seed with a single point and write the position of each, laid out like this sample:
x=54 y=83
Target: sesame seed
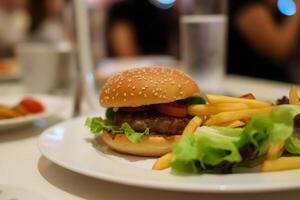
x=131 y=94
x=124 y=94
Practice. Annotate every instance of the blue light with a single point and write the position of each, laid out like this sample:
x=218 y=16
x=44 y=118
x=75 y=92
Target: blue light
x=163 y=4
x=166 y=1
x=287 y=7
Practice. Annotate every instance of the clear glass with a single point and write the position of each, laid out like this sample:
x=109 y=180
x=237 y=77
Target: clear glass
x=202 y=41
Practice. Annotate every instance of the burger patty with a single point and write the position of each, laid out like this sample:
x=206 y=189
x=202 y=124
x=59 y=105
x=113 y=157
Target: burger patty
x=156 y=122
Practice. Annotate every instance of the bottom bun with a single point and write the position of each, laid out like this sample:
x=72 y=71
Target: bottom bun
x=150 y=145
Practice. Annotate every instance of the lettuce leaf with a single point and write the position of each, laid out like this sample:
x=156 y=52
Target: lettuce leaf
x=263 y=131
x=131 y=134
x=97 y=124
x=256 y=133
x=292 y=145
x=207 y=147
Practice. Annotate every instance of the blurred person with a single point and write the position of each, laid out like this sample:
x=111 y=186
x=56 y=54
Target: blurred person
x=263 y=42
x=139 y=27
x=47 y=21
x=13 y=25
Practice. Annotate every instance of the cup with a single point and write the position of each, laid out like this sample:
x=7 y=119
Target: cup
x=46 y=67
x=203 y=49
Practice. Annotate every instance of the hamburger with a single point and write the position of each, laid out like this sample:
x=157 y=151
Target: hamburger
x=146 y=110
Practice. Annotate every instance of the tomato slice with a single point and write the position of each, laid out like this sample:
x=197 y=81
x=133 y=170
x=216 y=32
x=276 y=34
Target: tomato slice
x=172 y=109
x=32 y=105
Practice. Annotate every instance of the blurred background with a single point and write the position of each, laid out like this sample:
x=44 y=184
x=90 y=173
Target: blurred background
x=208 y=38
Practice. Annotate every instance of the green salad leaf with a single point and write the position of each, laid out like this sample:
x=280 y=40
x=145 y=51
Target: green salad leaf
x=210 y=146
x=207 y=147
x=131 y=134
x=263 y=131
x=256 y=133
x=292 y=145
x=97 y=124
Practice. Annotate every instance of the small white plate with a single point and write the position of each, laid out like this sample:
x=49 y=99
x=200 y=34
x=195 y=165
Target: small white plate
x=69 y=144
x=53 y=105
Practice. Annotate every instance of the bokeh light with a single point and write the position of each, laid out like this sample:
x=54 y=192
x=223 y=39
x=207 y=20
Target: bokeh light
x=287 y=7
x=164 y=4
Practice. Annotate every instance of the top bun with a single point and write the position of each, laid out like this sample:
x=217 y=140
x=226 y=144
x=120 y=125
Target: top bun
x=147 y=85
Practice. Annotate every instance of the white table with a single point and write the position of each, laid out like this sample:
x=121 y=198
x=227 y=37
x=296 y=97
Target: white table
x=24 y=169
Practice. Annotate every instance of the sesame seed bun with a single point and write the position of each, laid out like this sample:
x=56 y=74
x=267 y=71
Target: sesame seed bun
x=145 y=86
x=150 y=145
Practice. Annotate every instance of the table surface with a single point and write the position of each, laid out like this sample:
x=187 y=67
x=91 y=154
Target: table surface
x=26 y=174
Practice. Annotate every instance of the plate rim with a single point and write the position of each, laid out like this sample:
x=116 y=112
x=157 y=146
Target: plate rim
x=150 y=184
x=23 y=119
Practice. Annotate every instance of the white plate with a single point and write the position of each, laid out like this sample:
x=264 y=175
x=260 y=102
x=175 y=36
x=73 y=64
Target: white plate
x=53 y=105
x=69 y=145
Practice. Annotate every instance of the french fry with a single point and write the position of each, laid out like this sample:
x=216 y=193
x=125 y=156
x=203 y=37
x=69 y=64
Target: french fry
x=6 y=112
x=275 y=151
x=248 y=96
x=224 y=117
x=234 y=106
x=192 y=126
x=208 y=109
x=282 y=163
x=163 y=162
x=293 y=95
x=233 y=124
x=20 y=109
x=252 y=103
